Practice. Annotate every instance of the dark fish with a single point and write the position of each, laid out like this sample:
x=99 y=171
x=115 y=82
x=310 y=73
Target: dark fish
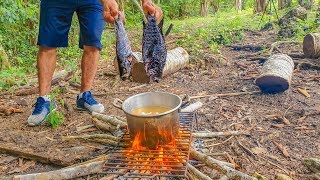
x=123 y=49
x=154 y=51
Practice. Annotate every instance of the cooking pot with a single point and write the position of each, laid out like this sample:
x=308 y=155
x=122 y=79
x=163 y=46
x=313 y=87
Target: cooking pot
x=152 y=130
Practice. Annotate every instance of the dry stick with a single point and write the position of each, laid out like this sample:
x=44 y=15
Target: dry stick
x=109 y=119
x=217 y=134
x=80 y=128
x=66 y=173
x=88 y=136
x=226 y=94
x=98 y=158
x=140 y=8
x=192 y=107
x=9 y=110
x=137 y=87
x=103 y=126
x=276 y=44
x=211 y=145
x=218 y=165
x=197 y=173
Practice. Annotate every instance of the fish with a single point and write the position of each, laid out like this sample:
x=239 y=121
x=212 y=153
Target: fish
x=154 y=50
x=123 y=49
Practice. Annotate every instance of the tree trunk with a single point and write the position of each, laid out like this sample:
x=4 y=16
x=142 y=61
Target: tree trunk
x=276 y=74
x=306 y=3
x=284 y=3
x=239 y=5
x=4 y=60
x=311 y=45
x=215 y=6
x=260 y=6
x=205 y=4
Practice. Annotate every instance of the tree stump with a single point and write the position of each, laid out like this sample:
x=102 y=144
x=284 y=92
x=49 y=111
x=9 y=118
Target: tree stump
x=311 y=45
x=177 y=59
x=276 y=74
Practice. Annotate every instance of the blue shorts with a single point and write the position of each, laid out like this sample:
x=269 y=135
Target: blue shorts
x=56 y=17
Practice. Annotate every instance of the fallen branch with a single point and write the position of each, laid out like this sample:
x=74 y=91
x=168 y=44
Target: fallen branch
x=217 y=134
x=276 y=44
x=66 y=173
x=137 y=87
x=198 y=174
x=281 y=148
x=109 y=119
x=81 y=128
x=9 y=110
x=226 y=94
x=219 y=166
x=211 y=145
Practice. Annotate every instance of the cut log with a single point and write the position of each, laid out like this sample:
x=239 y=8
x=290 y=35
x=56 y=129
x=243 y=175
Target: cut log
x=65 y=173
x=177 y=59
x=311 y=45
x=276 y=74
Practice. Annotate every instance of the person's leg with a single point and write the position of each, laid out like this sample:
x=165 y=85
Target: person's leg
x=89 y=66
x=91 y=26
x=46 y=64
x=55 y=22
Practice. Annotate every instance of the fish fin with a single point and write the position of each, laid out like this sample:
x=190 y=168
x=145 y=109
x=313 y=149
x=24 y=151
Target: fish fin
x=160 y=25
x=168 y=30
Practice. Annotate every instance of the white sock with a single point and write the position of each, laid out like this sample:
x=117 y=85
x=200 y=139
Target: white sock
x=46 y=98
x=80 y=95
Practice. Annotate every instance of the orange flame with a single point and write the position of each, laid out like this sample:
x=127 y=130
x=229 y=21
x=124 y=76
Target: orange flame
x=136 y=144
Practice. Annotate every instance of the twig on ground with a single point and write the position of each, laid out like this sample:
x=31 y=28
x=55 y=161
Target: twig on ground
x=81 y=128
x=192 y=107
x=217 y=134
x=9 y=110
x=226 y=94
x=137 y=87
x=197 y=173
x=109 y=119
x=103 y=126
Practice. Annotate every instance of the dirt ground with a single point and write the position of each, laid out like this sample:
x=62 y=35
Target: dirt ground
x=229 y=72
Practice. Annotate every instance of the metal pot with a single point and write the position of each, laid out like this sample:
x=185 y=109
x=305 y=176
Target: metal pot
x=153 y=130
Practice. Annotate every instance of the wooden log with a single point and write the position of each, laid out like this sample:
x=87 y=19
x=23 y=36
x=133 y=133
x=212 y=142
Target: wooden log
x=219 y=166
x=103 y=126
x=311 y=45
x=109 y=119
x=177 y=59
x=65 y=173
x=276 y=74
x=9 y=110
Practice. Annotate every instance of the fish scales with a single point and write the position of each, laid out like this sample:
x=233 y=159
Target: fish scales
x=123 y=49
x=154 y=51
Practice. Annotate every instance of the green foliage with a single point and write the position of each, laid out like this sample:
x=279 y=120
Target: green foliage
x=56 y=117
x=12 y=76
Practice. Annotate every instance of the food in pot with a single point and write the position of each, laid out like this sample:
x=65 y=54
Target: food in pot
x=150 y=110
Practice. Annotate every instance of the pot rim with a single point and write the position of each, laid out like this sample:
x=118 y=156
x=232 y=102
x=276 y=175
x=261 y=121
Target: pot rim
x=157 y=115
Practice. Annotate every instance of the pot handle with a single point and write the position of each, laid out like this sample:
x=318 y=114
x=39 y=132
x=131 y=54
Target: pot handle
x=117 y=103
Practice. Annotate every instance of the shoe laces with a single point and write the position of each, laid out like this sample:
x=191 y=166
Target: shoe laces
x=89 y=98
x=38 y=106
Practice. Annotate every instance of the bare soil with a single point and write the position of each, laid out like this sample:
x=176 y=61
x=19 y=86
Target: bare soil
x=208 y=74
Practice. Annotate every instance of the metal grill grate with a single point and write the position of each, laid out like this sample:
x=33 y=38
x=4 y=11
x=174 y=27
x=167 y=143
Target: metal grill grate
x=167 y=162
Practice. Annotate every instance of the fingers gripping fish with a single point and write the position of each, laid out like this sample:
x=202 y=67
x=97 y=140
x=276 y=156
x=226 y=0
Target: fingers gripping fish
x=154 y=51
x=123 y=49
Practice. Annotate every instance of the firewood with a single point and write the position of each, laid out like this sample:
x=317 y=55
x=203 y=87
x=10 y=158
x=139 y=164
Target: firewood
x=81 y=128
x=177 y=59
x=103 y=126
x=192 y=107
x=276 y=74
x=137 y=87
x=217 y=134
x=197 y=173
x=60 y=76
x=9 y=110
x=219 y=166
x=109 y=119
x=226 y=94
x=66 y=173
x=88 y=136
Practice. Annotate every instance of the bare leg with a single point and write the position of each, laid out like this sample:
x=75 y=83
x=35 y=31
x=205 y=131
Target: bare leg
x=46 y=64
x=89 y=66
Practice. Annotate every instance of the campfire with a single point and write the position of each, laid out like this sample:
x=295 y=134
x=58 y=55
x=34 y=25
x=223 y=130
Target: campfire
x=138 y=160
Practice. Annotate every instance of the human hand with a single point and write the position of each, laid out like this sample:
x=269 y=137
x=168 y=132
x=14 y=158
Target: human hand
x=110 y=10
x=150 y=8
